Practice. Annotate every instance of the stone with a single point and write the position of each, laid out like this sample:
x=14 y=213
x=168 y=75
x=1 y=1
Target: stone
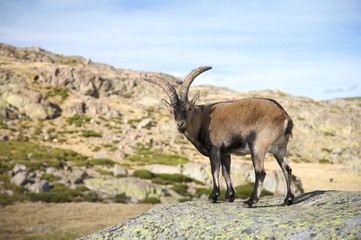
x=42 y=186
x=18 y=168
x=120 y=170
x=20 y=178
x=145 y=123
x=77 y=176
x=132 y=187
x=51 y=170
x=314 y=215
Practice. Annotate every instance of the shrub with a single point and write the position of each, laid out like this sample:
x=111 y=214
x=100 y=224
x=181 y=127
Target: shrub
x=121 y=198
x=90 y=133
x=165 y=178
x=103 y=162
x=104 y=172
x=181 y=189
x=151 y=200
x=143 y=174
x=77 y=120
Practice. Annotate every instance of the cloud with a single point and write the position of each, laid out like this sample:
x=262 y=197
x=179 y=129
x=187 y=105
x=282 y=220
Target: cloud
x=341 y=89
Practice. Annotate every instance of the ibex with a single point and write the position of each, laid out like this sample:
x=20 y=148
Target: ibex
x=248 y=126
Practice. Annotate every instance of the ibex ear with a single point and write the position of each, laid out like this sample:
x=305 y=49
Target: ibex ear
x=195 y=99
x=167 y=106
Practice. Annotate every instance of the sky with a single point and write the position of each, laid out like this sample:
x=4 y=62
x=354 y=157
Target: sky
x=308 y=48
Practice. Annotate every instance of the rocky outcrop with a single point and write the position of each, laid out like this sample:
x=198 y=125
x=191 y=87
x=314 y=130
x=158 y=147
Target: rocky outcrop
x=314 y=215
x=134 y=188
x=14 y=94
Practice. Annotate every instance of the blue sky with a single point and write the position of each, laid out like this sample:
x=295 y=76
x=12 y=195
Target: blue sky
x=309 y=48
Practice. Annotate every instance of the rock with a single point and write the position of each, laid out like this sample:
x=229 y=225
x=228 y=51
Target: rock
x=77 y=176
x=18 y=168
x=51 y=170
x=145 y=123
x=20 y=178
x=160 y=168
x=119 y=170
x=42 y=186
x=132 y=187
x=314 y=215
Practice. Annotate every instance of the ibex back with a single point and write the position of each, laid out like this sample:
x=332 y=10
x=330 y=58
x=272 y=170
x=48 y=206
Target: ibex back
x=248 y=126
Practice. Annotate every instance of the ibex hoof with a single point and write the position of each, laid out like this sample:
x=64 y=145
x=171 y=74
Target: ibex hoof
x=249 y=202
x=229 y=197
x=213 y=197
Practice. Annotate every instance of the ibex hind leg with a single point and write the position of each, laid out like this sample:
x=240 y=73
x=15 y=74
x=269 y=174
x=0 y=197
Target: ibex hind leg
x=287 y=172
x=258 y=164
x=226 y=172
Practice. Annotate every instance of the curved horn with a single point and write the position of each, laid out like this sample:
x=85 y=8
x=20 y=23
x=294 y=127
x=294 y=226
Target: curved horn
x=183 y=93
x=166 y=86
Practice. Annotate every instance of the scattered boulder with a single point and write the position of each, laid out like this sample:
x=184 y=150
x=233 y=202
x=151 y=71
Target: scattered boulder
x=145 y=123
x=41 y=186
x=314 y=215
x=20 y=178
x=134 y=187
x=77 y=176
x=120 y=171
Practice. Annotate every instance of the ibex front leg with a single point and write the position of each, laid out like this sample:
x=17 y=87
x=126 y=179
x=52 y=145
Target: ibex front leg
x=226 y=172
x=215 y=159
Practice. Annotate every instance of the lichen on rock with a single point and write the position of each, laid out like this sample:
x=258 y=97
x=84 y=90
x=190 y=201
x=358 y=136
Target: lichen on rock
x=314 y=215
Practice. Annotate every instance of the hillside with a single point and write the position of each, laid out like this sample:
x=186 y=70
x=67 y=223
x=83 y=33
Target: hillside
x=99 y=133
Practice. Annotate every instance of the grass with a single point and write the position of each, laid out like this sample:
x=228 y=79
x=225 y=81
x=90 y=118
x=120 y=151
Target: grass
x=164 y=178
x=90 y=133
x=59 y=193
x=50 y=177
x=36 y=156
x=102 y=162
x=78 y=120
x=57 y=91
x=145 y=156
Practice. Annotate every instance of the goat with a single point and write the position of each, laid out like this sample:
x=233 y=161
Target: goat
x=248 y=126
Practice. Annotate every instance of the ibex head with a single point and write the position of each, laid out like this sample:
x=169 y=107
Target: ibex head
x=179 y=105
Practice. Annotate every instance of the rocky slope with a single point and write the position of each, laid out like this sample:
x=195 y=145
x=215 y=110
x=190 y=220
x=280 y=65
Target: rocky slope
x=68 y=122
x=315 y=215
